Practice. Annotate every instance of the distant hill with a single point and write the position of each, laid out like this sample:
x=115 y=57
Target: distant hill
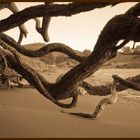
x=63 y=61
x=56 y=58
x=124 y=61
x=34 y=46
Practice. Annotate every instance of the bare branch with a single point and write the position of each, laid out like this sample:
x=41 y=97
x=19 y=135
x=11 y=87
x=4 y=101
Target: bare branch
x=107 y=101
x=33 y=78
x=102 y=104
x=119 y=26
x=127 y=83
x=45 y=25
x=13 y=8
x=104 y=47
x=122 y=44
x=134 y=11
x=49 y=48
x=48 y=10
x=101 y=52
x=104 y=90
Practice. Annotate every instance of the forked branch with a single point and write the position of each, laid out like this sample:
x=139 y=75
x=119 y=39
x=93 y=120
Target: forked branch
x=43 y=30
x=49 y=10
x=13 y=8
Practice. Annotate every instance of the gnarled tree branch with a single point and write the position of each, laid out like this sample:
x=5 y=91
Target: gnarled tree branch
x=49 y=48
x=104 y=90
x=119 y=26
x=48 y=10
x=33 y=77
x=103 y=48
x=13 y=8
x=45 y=25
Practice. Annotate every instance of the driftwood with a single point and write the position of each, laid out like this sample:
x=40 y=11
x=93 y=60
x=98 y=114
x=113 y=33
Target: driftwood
x=112 y=99
x=122 y=27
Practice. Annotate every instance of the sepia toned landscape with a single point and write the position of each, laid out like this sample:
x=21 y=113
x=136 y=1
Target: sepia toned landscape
x=49 y=90
x=26 y=113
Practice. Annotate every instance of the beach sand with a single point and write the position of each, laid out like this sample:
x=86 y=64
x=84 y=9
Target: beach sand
x=25 y=113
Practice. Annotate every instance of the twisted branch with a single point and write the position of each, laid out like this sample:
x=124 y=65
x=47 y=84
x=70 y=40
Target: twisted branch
x=104 y=90
x=13 y=8
x=101 y=105
x=100 y=53
x=107 y=101
x=33 y=77
x=114 y=96
x=45 y=25
x=50 y=11
x=49 y=48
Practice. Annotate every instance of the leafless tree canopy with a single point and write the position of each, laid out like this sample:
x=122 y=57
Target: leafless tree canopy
x=121 y=27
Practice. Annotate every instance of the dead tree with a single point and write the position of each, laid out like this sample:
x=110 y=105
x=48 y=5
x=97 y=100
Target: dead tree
x=123 y=27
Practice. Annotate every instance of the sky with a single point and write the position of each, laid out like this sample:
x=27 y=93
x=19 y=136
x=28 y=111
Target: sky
x=79 y=31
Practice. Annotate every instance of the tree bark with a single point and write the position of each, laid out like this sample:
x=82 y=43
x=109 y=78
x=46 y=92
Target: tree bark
x=103 y=51
x=49 y=10
x=14 y=9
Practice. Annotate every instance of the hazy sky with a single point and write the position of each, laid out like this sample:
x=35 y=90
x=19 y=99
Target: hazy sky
x=79 y=31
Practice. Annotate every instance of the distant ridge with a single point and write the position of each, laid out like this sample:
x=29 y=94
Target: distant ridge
x=62 y=60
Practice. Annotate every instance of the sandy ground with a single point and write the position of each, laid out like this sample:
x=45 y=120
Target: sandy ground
x=26 y=113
